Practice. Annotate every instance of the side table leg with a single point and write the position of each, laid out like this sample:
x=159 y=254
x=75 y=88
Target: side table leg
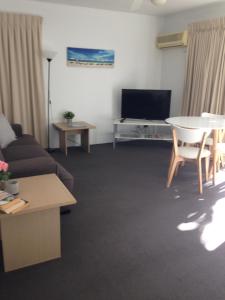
x=85 y=140
x=63 y=141
x=114 y=136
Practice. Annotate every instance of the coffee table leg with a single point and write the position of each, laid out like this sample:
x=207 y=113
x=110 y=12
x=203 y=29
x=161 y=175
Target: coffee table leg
x=31 y=238
x=85 y=140
x=63 y=141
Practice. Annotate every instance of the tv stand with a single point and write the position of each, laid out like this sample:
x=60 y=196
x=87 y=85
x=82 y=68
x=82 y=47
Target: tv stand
x=142 y=130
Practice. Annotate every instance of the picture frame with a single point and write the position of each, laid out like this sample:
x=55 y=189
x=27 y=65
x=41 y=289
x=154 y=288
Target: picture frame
x=86 y=57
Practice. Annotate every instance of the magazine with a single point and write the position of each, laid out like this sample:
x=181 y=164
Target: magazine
x=10 y=204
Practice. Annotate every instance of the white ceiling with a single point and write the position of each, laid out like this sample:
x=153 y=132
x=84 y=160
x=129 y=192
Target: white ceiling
x=172 y=6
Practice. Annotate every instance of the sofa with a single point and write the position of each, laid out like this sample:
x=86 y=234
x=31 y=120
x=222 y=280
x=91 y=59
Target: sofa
x=26 y=157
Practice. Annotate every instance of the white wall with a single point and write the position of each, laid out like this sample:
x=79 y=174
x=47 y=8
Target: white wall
x=174 y=59
x=94 y=93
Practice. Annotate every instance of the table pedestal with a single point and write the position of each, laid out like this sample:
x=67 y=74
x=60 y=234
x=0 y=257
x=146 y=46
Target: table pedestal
x=30 y=239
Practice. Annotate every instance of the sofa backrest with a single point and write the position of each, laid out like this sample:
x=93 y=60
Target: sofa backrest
x=1 y=155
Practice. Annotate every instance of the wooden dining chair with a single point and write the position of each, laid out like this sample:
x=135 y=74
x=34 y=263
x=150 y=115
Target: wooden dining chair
x=209 y=140
x=220 y=144
x=185 y=149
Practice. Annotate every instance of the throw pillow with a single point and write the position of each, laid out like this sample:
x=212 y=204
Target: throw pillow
x=7 y=135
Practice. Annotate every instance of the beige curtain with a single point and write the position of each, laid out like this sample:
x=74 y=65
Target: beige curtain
x=21 y=74
x=204 y=88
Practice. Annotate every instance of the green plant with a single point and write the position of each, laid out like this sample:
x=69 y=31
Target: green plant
x=4 y=174
x=68 y=115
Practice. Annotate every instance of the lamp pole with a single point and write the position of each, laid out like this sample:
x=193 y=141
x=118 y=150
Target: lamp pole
x=49 y=55
x=49 y=100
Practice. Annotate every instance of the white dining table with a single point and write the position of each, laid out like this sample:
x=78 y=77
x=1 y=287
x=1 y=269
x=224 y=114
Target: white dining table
x=214 y=124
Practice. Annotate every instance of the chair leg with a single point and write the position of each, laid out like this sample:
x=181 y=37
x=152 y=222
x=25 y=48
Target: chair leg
x=199 y=163
x=218 y=163
x=177 y=168
x=171 y=162
x=172 y=171
x=222 y=160
x=207 y=159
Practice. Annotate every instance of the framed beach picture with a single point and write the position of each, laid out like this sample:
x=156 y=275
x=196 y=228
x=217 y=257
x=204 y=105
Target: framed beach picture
x=90 y=57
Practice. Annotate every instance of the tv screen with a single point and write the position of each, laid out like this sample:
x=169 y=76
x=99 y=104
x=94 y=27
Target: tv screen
x=145 y=104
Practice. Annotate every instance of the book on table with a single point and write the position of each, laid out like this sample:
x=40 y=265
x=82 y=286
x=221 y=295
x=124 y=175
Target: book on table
x=10 y=204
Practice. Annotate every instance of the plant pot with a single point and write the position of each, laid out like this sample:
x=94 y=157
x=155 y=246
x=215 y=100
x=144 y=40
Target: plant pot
x=69 y=122
x=3 y=185
x=12 y=187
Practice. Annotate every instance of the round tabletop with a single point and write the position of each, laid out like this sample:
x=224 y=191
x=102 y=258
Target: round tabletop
x=197 y=122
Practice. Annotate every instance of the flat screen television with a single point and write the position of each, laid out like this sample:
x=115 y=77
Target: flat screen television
x=145 y=104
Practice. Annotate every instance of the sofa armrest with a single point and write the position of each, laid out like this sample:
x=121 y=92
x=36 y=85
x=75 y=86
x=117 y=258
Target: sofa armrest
x=17 y=128
x=66 y=178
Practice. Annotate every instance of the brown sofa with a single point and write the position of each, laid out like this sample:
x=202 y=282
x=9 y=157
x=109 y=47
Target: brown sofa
x=27 y=158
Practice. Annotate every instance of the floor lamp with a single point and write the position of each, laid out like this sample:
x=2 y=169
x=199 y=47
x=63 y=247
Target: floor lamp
x=49 y=55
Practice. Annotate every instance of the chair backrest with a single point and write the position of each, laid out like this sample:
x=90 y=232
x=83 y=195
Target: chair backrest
x=190 y=136
x=208 y=115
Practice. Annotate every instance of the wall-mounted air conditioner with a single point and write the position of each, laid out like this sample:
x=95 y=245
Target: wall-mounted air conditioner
x=172 y=40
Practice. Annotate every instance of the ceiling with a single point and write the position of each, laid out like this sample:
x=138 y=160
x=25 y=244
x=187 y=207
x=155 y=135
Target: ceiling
x=172 y=6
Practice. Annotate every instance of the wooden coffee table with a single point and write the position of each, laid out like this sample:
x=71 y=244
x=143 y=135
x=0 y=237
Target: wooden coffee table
x=80 y=127
x=32 y=235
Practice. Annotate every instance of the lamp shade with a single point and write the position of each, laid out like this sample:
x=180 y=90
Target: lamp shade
x=49 y=54
x=158 y=2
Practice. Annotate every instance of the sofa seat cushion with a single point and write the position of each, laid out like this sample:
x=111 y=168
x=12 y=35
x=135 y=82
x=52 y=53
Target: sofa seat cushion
x=23 y=152
x=25 y=139
x=39 y=166
x=32 y=167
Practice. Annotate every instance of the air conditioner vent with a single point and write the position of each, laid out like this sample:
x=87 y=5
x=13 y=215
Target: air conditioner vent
x=172 y=40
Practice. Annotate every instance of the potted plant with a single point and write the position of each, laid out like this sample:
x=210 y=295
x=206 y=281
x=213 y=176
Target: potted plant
x=4 y=174
x=69 y=115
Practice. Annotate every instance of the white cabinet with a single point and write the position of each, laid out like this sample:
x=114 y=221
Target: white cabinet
x=133 y=129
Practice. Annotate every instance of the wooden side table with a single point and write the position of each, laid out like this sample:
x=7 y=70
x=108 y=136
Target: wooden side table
x=80 y=127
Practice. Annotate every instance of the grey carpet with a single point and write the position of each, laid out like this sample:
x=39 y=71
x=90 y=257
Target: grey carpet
x=121 y=241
